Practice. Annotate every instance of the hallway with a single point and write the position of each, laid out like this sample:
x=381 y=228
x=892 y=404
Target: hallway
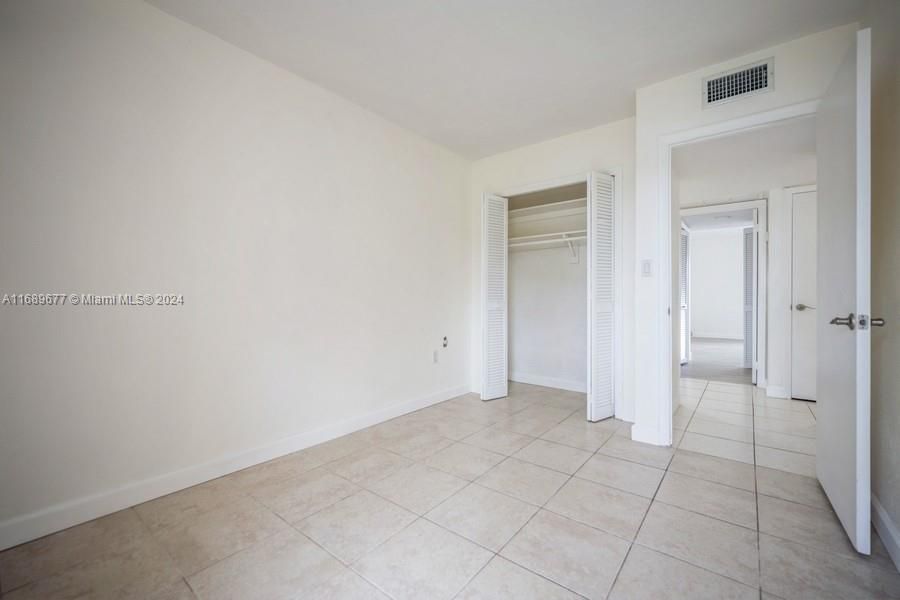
x=716 y=360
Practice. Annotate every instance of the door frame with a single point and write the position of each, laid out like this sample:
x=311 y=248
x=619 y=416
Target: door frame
x=665 y=248
x=624 y=407
x=761 y=309
x=789 y=208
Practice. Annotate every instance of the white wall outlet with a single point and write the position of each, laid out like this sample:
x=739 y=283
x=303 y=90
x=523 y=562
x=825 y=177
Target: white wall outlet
x=435 y=357
x=646 y=268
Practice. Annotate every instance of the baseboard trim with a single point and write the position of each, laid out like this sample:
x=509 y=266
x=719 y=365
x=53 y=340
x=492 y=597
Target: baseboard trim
x=74 y=512
x=553 y=382
x=887 y=530
x=777 y=391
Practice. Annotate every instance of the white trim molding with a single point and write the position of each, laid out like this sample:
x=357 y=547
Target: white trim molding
x=887 y=530
x=74 y=512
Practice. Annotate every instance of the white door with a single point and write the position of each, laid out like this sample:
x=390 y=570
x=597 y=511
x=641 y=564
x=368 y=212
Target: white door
x=803 y=296
x=494 y=326
x=749 y=277
x=684 y=295
x=601 y=297
x=844 y=267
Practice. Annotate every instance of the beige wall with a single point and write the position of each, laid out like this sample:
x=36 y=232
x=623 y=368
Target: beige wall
x=883 y=17
x=322 y=253
x=608 y=147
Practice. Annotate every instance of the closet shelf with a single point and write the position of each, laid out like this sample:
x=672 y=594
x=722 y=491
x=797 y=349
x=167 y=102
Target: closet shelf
x=566 y=238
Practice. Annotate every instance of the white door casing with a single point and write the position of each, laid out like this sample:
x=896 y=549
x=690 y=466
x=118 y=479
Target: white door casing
x=748 y=269
x=804 y=306
x=601 y=297
x=843 y=141
x=494 y=268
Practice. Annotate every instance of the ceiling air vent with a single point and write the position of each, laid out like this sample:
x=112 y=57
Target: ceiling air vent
x=738 y=83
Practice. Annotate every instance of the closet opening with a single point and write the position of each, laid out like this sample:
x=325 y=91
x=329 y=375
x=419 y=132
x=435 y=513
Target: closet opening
x=551 y=316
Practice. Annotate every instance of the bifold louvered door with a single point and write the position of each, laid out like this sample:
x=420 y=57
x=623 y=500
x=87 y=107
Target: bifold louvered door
x=494 y=318
x=601 y=297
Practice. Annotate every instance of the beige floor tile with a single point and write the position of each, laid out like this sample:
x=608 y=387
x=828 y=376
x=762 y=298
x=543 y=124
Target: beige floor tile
x=534 y=426
x=179 y=590
x=277 y=469
x=423 y=561
x=142 y=569
x=464 y=461
x=586 y=436
x=729 y=398
x=803 y=524
x=418 y=488
x=523 y=480
x=721 y=430
x=781 y=426
x=569 y=553
x=188 y=504
x=347 y=586
x=720 y=547
x=652 y=456
x=296 y=499
x=342 y=447
x=721 y=416
x=355 y=525
x=792 y=416
x=604 y=508
x=795 y=571
x=783 y=403
x=283 y=567
x=418 y=446
x=53 y=553
x=484 y=516
x=649 y=575
x=783 y=441
x=720 y=447
x=741 y=408
x=682 y=418
x=369 y=466
x=792 y=462
x=622 y=474
x=210 y=537
x=793 y=487
x=504 y=580
x=711 y=499
x=455 y=429
x=553 y=456
x=715 y=469
x=499 y=440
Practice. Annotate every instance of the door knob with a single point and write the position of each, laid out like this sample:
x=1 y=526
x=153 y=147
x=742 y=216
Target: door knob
x=849 y=321
x=802 y=306
x=877 y=322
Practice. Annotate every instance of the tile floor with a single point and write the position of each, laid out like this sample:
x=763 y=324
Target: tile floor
x=517 y=498
x=717 y=359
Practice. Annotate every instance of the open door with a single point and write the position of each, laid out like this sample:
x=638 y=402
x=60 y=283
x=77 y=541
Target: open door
x=844 y=268
x=494 y=223
x=684 y=278
x=601 y=297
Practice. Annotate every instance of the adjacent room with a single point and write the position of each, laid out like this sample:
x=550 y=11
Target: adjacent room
x=408 y=300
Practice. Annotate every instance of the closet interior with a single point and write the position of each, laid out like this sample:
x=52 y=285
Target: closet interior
x=547 y=281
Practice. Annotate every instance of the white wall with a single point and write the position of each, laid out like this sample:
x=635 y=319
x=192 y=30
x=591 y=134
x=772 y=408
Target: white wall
x=548 y=318
x=717 y=283
x=803 y=69
x=322 y=253
x=608 y=147
x=883 y=17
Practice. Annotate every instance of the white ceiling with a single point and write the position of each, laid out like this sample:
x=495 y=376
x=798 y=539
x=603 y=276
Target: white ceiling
x=483 y=76
x=745 y=165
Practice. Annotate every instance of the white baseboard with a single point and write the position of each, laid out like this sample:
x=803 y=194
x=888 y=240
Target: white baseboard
x=887 y=530
x=777 y=391
x=553 y=382
x=73 y=512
